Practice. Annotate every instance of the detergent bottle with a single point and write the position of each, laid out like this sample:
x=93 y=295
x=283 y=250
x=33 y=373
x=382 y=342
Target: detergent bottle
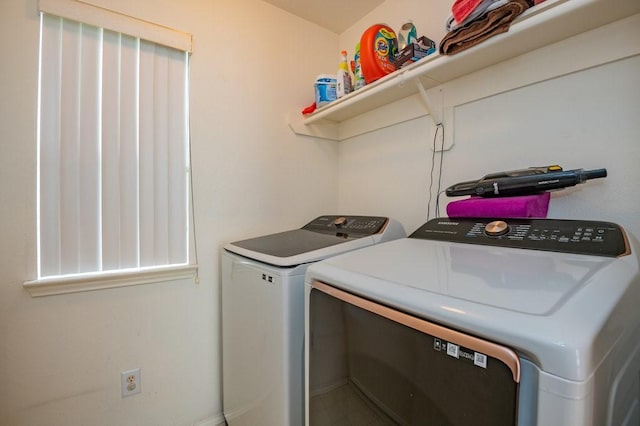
x=407 y=34
x=378 y=49
x=343 y=78
x=325 y=89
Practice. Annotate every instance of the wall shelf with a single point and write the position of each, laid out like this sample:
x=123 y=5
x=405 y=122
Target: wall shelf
x=409 y=93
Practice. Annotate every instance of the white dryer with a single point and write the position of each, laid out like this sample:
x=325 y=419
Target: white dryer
x=470 y=321
x=263 y=313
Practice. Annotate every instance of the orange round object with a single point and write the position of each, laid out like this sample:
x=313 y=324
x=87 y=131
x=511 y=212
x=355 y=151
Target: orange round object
x=378 y=47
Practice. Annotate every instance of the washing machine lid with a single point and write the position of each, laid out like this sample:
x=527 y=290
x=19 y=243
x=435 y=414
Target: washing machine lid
x=323 y=237
x=548 y=305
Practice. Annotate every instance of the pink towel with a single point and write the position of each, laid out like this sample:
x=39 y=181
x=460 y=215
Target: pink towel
x=503 y=207
x=462 y=8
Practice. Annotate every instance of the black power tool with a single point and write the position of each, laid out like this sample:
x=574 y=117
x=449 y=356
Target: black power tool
x=532 y=180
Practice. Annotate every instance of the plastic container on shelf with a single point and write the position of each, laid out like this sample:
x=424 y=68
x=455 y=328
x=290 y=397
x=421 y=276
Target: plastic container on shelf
x=343 y=77
x=358 y=78
x=378 y=47
x=407 y=34
x=325 y=89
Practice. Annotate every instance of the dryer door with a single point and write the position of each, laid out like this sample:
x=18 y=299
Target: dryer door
x=394 y=368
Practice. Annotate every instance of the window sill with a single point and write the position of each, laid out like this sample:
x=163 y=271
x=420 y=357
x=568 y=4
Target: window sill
x=88 y=282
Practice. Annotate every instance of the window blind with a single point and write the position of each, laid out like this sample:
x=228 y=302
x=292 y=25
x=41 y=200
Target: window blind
x=112 y=151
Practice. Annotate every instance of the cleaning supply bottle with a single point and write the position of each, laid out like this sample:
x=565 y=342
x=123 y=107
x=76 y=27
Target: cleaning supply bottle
x=407 y=34
x=325 y=89
x=378 y=48
x=344 y=85
x=358 y=78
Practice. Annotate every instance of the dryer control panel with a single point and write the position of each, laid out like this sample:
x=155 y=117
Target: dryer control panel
x=566 y=236
x=354 y=226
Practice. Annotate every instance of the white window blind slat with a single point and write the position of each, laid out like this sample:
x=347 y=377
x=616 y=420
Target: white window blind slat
x=146 y=152
x=69 y=202
x=88 y=146
x=179 y=162
x=111 y=138
x=159 y=127
x=128 y=150
x=49 y=147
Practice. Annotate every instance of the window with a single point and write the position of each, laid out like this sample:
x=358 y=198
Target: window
x=113 y=151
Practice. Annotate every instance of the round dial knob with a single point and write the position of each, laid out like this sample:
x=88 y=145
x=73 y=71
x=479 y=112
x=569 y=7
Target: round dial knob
x=496 y=228
x=340 y=222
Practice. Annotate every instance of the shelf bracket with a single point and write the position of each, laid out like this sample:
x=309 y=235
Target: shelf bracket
x=434 y=113
x=323 y=129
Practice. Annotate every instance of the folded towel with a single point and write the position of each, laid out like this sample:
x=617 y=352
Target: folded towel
x=494 y=22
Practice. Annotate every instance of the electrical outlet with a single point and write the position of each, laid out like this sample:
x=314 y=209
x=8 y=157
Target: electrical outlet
x=130 y=383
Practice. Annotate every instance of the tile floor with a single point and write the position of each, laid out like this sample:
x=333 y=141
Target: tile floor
x=345 y=406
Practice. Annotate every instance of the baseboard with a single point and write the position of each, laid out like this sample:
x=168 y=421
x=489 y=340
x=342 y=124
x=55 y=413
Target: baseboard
x=211 y=421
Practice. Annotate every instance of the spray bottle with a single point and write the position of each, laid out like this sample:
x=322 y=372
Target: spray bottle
x=344 y=86
x=358 y=78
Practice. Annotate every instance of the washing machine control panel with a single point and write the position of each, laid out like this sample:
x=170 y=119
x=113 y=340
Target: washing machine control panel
x=354 y=226
x=566 y=236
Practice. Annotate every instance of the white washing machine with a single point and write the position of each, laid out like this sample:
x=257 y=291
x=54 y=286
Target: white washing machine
x=473 y=321
x=263 y=313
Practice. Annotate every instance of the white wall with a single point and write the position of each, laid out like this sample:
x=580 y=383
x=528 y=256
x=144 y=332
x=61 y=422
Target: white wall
x=575 y=103
x=61 y=356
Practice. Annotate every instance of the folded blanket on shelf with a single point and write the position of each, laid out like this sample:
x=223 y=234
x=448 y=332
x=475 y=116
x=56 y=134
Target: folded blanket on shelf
x=494 y=22
x=463 y=11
